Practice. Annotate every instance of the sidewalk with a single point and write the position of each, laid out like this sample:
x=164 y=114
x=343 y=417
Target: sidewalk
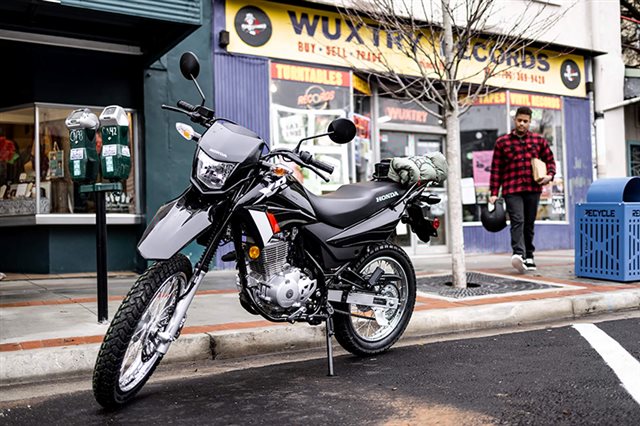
x=48 y=324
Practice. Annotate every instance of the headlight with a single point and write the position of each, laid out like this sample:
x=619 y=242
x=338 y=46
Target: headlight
x=213 y=173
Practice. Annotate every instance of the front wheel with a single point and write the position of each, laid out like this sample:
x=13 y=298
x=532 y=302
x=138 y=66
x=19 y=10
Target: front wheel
x=128 y=355
x=360 y=332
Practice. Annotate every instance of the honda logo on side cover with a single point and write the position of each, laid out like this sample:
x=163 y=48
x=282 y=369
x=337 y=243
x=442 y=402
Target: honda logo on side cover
x=253 y=26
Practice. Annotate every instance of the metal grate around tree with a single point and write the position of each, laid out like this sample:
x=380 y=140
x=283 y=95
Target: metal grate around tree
x=478 y=285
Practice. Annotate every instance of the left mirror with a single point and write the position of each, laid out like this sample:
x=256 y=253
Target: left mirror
x=189 y=65
x=342 y=130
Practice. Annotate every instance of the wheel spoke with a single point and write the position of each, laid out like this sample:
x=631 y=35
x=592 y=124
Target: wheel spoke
x=372 y=330
x=141 y=356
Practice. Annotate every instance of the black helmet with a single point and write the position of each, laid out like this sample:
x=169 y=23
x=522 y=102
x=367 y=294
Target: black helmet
x=496 y=220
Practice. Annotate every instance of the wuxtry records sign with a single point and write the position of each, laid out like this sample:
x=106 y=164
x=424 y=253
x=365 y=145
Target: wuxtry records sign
x=314 y=36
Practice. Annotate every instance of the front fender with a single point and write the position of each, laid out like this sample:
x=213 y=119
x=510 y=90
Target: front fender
x=175 y=225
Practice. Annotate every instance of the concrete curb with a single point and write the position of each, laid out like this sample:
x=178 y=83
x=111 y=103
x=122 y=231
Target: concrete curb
x=43 y=364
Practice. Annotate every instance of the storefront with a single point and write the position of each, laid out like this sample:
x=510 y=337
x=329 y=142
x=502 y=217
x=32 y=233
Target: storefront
x=315 y=65
x=64 y=56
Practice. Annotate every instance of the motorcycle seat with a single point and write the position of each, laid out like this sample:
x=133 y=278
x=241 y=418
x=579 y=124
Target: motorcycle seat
x=354 y=202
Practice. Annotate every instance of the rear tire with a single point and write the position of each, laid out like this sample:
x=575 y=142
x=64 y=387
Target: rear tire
x=146 y=310
x=359 y=335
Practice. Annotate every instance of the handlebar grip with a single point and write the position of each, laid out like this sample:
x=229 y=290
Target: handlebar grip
x=307 y=158
x=187 y=106
x=322 y=166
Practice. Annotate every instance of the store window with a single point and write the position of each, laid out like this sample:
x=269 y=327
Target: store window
x=304 y=101
x=362 y=143
x=480 y=127
x=546 y=120
x=634 y=158
x=17 y=162
x=43 y=185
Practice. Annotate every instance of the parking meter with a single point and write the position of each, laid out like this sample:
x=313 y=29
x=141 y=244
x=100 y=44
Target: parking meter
x=83 y=157
x=115 y=158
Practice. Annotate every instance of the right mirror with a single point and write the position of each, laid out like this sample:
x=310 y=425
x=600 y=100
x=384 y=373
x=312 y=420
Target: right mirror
x=189 y=65
x=342 y=130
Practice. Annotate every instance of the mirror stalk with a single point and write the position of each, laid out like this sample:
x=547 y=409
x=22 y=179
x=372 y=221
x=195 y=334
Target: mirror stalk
x=199 y=89
x=297 y=148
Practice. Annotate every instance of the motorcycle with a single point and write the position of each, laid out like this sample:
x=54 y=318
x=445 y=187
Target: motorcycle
x=300 y=257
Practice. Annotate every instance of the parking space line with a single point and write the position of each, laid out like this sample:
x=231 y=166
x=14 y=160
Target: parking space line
x=626 y=367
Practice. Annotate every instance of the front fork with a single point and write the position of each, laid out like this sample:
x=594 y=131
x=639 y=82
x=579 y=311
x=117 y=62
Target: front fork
x=172 y=331
x=173 y=328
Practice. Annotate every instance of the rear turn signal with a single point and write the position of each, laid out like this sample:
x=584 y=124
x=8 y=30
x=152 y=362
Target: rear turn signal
x=436 y=223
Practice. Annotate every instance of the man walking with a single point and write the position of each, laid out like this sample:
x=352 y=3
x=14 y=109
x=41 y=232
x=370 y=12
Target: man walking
x=511 y=169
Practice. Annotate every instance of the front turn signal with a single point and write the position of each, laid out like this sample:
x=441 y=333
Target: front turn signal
x=254 y=252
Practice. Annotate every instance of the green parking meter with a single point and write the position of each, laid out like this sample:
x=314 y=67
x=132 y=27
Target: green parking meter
x=115 y=158
x=83 y=157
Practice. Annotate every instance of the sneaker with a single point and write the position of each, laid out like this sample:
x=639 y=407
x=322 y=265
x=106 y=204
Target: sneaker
x=518 y=262
x=530 y=264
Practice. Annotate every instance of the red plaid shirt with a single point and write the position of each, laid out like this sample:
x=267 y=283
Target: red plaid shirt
x=511 y=164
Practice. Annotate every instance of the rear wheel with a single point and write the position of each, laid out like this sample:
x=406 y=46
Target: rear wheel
x=368 y=331
x=128 y=356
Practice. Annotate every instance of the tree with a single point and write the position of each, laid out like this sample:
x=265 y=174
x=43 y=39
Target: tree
x=437 y=38
x=630 y=14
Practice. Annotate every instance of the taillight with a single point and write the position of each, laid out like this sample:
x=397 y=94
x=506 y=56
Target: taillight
x=436 y=223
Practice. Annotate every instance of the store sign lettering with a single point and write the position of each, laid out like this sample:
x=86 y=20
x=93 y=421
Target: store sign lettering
x=309 y=74
x=316 y=97
x=326 y=37
x=331 y=29
x=406 y=114
x=535 y=101
x=599 y=213
x=522 y=59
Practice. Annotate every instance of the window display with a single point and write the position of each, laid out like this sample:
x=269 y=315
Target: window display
x=17 y=163
x=46 y=179
x=491 y=117
x=304 y=101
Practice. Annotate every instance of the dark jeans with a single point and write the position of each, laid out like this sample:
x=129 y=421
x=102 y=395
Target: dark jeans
x=522 y=208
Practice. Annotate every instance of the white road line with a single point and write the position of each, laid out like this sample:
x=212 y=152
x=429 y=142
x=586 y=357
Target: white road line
x=626 y=367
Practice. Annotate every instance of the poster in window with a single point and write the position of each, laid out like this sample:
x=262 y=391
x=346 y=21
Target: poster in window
x=56 y=163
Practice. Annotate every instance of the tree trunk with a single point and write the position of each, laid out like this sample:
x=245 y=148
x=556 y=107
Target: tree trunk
x=454 y=201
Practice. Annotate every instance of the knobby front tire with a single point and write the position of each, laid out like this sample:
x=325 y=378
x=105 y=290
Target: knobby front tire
x=127 y=357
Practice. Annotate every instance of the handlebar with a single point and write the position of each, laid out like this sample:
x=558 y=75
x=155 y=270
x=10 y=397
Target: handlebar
x=308 y=159
x=187 y=106
x=198 y=114
x=304 y=159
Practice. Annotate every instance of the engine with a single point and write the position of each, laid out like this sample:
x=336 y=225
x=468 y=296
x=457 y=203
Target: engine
x=276 y=284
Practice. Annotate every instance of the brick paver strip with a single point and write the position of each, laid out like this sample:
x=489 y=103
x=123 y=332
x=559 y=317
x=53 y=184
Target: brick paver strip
x=91 y=299
x=425 y=303
x=83 y=340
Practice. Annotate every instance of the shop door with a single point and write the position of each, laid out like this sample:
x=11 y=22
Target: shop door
x=400 y=144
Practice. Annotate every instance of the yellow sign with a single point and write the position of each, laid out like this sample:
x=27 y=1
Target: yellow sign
x=283 y=31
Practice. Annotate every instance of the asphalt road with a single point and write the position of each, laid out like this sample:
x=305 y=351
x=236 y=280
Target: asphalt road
x=548 y=376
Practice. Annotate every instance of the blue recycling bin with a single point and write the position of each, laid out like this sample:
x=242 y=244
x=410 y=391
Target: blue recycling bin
x=607 y=230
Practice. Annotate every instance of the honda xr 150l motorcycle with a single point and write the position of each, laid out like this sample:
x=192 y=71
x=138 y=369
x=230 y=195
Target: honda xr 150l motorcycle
x=300 y=257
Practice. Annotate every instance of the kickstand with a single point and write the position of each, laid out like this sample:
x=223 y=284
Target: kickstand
x=329 y=333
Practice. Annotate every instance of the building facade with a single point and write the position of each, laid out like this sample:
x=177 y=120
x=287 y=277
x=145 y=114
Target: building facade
x=299 y=66
x=75 y=54
x=285 y=70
